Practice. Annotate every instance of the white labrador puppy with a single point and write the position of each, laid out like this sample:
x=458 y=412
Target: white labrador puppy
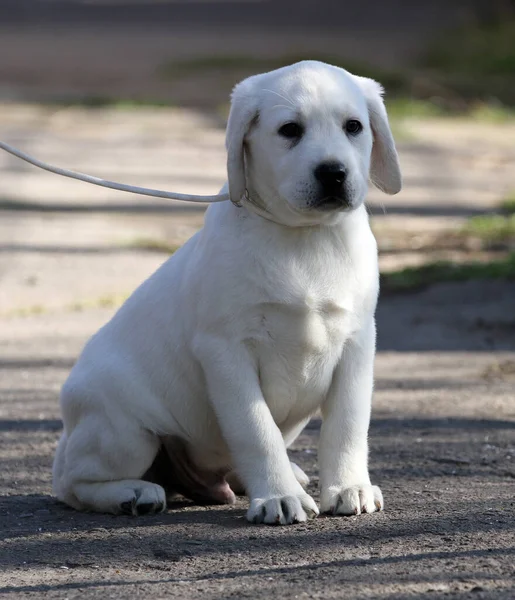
x=265 y=316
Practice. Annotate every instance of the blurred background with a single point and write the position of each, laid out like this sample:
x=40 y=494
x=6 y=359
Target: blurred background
x=138 y=91
x=455 y=54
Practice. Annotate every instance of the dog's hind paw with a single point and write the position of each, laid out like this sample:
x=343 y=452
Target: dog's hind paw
x=146 y=498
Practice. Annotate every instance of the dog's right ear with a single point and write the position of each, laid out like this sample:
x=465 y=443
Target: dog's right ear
x=244 y=110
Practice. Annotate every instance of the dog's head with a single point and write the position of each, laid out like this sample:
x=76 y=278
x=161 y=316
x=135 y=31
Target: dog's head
x=304 y=141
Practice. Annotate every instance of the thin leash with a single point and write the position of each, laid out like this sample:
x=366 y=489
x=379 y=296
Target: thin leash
x=112 y=184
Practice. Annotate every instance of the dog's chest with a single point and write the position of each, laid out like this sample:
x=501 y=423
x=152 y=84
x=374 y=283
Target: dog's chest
x=299 y=341
x=309 y=292
x=305 y=329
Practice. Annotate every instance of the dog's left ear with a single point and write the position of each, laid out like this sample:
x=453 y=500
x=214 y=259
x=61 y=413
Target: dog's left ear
x=385 y=172
x=244 y=110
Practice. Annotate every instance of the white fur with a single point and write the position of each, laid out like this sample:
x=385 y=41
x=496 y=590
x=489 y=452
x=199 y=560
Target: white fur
x=262 y=318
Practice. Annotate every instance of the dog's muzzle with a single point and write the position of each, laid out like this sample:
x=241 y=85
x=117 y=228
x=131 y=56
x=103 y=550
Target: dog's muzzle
x=331 y=177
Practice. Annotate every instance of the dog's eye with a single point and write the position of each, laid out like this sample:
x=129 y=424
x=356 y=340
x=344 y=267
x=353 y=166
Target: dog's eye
x=291 y=131
x=353 y=126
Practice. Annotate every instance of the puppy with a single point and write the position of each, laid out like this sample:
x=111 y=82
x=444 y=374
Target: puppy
x=215 y=364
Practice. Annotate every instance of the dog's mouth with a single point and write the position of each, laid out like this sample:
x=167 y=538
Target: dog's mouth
x=333 y=202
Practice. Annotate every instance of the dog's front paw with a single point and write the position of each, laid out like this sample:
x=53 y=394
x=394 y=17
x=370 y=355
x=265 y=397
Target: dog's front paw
x=352 y=500
x=282 y=510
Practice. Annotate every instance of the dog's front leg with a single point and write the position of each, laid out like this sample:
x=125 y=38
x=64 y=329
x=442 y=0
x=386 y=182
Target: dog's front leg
x=343 y=454
x=254 y=440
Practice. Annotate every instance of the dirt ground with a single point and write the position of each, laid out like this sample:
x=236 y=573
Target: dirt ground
x=443 y=428
x=442 y=449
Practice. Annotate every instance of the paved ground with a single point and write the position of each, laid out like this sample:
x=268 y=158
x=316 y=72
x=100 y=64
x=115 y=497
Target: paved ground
x=442 y=448
x=443 y=429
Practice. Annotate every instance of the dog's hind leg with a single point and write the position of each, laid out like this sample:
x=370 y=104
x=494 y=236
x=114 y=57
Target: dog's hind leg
x=175 y=469
x=99 y=466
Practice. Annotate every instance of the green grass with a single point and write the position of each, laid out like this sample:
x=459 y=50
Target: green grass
x=102 y=102
x=106 y=301
x=404 y=107
x=508 y=204
x=491 y=228
x=421 y=93
x=490 y=112
x=244 y=65
x=466 y=71
x=111 y=301
x=469 y=72
x=26 y=311
x=474 y=62
x=416 y=278
x=481 y=49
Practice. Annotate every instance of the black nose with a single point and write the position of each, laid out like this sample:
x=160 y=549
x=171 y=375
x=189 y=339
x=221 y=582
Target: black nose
x=331 y=175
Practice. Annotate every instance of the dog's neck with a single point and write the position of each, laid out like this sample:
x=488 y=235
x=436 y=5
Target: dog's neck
x=254 y=204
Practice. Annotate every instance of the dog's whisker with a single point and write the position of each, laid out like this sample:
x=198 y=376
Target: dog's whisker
x=279 y=106
x=290 y=102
